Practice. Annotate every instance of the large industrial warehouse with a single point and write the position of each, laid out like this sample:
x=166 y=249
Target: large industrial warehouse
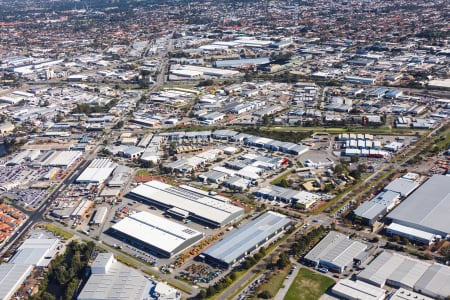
x=112 y=280
x=433 y=199
x=335 y=252
x=97 y=172
x=155 y=234
x=188 y=202
x=401 y=271
x=246 y=239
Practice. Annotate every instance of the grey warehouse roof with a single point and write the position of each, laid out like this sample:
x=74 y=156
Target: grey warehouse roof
x=370 y=210
x=435 y=282
x=403 y=271
x=402 y=186
x=427 y=208
x=245 y=238
x=400 y=270
x=336 y=249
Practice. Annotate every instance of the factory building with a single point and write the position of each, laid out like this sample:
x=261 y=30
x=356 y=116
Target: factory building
x=371 y=211
x=424 y=212
x=99 y=216
x=11 y=278
x=302 y=199
x=356 y=290
x=97 y=172
x=188 y=202
x=112 y=280
x=62 y=159
x=246 y=239
x=37 y=252
x=335 y=252
x=403 y=272
x=155 y=234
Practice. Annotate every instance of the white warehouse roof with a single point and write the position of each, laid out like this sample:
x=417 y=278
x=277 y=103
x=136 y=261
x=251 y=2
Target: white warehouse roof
x=348 y=289
x=119 y=282
x=207 y=208
x=37 y=252
x=160 y=233
x=62 y=158
x=97 y=171
x=11 y=278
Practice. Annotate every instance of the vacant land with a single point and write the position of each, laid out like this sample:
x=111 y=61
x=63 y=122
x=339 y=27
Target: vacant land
x=308 y=285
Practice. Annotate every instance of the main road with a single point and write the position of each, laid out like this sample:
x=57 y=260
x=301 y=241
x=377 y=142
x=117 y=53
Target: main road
x=38 y=215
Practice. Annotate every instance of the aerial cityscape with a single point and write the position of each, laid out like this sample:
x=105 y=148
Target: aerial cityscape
x=224 y=150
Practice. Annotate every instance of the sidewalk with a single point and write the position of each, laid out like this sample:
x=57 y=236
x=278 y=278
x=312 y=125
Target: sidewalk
x=287 y=283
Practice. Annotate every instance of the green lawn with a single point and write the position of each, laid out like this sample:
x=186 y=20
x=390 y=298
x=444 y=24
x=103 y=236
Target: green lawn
x=308 y=285
x=143 y=172
x=58 y=231
x=278 y=180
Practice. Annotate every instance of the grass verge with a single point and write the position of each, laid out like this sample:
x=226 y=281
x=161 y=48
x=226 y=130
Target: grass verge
x=179 y=286
x=308 y=285
x=58 y=231
x=278 y=180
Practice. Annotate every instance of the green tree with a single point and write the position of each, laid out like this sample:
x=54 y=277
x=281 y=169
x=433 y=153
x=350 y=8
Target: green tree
x=211 y=291
x=354 y=158
x=233 y=276
x=71 y=289
x=283 y=261
x=47 y=296
x=396 y=238
x=284 y=183
x=265 y=295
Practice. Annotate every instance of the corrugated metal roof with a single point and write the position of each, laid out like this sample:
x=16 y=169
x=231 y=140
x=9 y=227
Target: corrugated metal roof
x=336 y=249
x=370 y=210
x=196 y=202
x=247 y=237
x=157 y=231
x=119 y=283
x=357 y=290
x=402 y=186
x=399 y=270
x=11 y=277
x=430 y=215
x=435 y=282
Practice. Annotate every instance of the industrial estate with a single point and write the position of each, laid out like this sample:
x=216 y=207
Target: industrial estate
x=224 y=150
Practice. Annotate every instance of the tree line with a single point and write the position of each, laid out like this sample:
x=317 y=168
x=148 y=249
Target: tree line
x=65 y=273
